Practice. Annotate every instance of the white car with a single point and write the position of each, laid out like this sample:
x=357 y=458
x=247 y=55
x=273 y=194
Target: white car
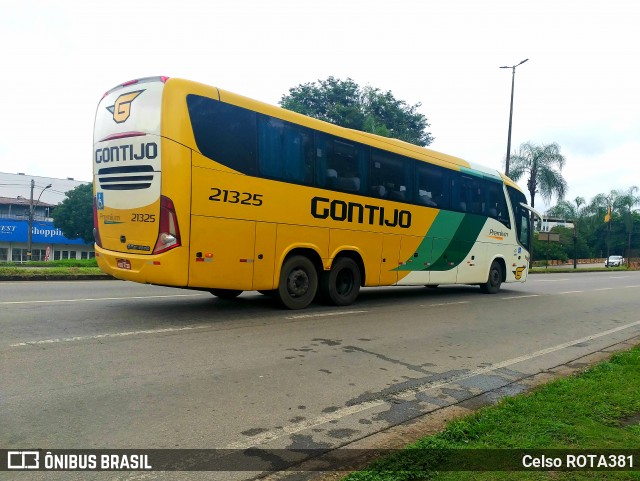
x=614 y=261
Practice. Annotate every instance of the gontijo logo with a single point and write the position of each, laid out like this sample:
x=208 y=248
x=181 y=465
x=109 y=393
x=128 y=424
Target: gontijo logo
x=122 y=107
x=518 y=272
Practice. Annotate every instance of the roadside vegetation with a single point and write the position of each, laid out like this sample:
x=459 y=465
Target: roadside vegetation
x=51 y=269
x=598 y=409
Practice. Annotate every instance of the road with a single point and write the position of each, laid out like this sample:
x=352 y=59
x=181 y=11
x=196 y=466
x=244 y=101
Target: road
x=112 y=364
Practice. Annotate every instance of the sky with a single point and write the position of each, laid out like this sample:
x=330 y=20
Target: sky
x=580 y=87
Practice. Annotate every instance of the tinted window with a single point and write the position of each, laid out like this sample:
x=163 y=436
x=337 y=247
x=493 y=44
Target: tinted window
x=432 y=186
x=391 y=176
x=496 y=206
x=285 y=150
x=341 y=164
x=224 y=133
x=521 y=215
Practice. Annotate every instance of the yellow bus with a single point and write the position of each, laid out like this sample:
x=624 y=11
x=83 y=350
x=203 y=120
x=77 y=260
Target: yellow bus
x=201 y=188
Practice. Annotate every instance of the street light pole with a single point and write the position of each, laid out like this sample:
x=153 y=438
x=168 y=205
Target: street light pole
x=31 y=207
x=513 y=81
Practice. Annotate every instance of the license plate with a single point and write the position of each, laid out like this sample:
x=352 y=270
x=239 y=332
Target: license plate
x=124 y=264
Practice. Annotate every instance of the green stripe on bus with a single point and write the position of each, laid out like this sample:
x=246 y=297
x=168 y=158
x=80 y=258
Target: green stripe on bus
x=440 y=252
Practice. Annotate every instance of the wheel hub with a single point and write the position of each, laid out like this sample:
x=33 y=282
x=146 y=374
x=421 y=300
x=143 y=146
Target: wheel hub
x=298 y=283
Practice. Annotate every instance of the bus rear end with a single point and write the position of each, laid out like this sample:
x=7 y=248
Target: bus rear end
x=136 y=224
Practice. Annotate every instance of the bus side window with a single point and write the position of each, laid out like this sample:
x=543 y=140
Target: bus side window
x=470 y=198
x=340 y=164
x=432 y=187
x=284 y=150
x=391 y=176
x=496 y=202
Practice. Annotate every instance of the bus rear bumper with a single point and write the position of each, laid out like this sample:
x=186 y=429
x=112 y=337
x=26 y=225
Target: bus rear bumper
x=168 y=269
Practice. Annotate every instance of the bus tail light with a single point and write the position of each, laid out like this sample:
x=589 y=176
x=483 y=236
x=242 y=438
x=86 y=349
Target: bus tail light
x=169 y=235
x=96 y=231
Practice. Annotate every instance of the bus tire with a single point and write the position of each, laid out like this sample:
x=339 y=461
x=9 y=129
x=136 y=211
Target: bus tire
x=341 y=285
x=225 y=293
x=494 y=281
x=298 y=282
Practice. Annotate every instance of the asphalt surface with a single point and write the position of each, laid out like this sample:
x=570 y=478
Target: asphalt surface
x=112 y=364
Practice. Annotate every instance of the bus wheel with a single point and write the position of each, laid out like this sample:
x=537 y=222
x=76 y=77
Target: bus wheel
x=225 y=293
x=495 y=279
x=298 y=283
x=341 y=285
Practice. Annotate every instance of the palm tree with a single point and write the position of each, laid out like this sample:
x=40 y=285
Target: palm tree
x=623 y=202
x=569 y=210
x=543 y=164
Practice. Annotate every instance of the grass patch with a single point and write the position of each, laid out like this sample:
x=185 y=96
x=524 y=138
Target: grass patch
x=70 y=268
x=591 y=411
x=60 y=263
x=45 y=272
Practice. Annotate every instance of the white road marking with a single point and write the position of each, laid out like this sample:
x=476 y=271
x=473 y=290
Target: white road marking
x=53 y=301
x=519 y=297
x=569 y=292
x=444 y=304
x=274 y=434
x=324 y=314
x=107 y=336
x=604 y=289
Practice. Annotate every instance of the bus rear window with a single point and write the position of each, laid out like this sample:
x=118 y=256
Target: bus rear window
x=224 y=133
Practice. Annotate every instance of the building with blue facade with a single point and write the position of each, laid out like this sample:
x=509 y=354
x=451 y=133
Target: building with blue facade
x=47 y=241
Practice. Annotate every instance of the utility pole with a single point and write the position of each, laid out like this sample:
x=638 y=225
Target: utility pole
x=31 y=208
x=513 y=82
x=29 y=234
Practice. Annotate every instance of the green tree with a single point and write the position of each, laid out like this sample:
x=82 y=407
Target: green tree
x=542 y=164
x=575 y=212
x=345 y=103
x=74 y=216
x=624 y=203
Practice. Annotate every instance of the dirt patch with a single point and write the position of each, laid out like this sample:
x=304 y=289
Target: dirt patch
x=630 y=420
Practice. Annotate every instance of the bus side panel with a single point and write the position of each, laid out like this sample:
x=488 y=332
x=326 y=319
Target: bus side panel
x=367 y=244
x=409 y=247
x=265 y=254
x=416 y=253
x=390 y=259
x=222 y=253
x=442 y=254
x=474 y=269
